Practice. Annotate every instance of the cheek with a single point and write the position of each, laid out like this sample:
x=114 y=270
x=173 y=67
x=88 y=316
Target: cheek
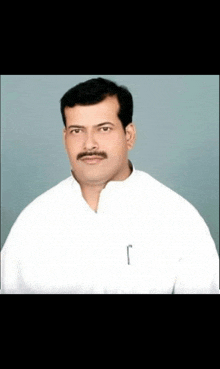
x=72 y=150
x=117 y=146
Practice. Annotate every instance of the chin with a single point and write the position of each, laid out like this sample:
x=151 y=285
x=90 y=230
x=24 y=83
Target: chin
x=96 y=179
x=95 y=174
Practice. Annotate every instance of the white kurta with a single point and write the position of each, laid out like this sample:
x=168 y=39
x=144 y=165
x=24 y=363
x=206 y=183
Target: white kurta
x=59 y=245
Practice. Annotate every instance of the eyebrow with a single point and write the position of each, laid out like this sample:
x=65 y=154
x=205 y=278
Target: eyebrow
x=97 y=125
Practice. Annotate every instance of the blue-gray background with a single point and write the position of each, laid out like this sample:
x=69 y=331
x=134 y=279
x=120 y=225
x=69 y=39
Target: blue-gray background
x=177 y=120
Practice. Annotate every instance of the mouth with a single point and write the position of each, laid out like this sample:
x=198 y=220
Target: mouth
x=91 y=160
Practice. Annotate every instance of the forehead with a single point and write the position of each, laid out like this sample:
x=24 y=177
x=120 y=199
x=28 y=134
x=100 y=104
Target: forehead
x=106 y=110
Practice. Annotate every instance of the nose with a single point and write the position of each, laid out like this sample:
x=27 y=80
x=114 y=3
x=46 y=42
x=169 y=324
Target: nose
x=90 y=143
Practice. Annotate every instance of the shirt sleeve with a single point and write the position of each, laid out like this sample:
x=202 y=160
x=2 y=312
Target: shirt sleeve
x=198 y=265
x=10 y=259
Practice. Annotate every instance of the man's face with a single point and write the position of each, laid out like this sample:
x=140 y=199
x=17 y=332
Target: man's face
x=96 y=143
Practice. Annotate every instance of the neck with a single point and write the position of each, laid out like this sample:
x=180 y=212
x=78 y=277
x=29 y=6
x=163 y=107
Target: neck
x=91 y=191
x=91 y=194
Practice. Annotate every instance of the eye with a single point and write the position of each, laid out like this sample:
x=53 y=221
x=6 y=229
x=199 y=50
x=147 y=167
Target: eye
x=105 y=129
x=76 y=130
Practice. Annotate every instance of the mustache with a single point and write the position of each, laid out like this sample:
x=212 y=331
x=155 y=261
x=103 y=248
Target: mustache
x=94 y=153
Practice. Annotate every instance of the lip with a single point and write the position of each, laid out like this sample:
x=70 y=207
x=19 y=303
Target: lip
x=92 y=159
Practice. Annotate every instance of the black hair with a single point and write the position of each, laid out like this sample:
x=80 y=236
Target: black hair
x=95 y=90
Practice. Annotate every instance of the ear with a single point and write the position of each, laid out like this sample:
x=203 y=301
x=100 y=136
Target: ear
x=130 y=135
x=64 y=137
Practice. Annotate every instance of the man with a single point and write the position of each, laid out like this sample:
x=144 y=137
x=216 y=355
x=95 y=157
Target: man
x=108 y=228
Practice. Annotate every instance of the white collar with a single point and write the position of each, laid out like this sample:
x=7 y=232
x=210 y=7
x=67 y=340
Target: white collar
x=110 y=184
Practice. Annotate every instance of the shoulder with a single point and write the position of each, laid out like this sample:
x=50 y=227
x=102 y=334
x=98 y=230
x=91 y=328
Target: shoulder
x=47 y=202
x=152 y=187
x=173 y=214
x=40 y=217
x=162 y=198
